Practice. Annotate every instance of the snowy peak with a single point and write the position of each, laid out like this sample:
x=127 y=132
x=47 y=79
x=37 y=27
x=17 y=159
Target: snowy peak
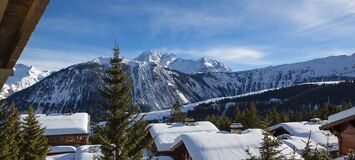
x=104 y=61
x=75 y=87
x=171 y=61
x=24 y=76
x=156 y=57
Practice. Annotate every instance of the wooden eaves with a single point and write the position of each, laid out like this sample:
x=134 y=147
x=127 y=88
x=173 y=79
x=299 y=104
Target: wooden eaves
x=18 y=19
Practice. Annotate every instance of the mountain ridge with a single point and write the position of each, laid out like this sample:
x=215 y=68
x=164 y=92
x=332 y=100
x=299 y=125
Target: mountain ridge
x=156 y=87
x=24 y=76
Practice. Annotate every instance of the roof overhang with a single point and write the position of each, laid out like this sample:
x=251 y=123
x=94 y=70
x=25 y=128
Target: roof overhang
x=18 y=19
x=337 y=123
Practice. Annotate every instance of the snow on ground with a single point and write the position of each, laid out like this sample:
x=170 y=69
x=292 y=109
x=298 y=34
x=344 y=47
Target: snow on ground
x=299 y=135
x=87 y=152
x=158 y=115
x=158 y=158
x=66 y=156
x=225 y=146
x=61 y=124
x=62 y=149
x=341 y=115
x=321 y=83
x=164 y=134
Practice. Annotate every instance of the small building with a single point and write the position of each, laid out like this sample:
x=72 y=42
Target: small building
x=342 y=125
x=236 y=128
x=221 y=145
x=164 y=134
x=295 y=134
x=65 y=129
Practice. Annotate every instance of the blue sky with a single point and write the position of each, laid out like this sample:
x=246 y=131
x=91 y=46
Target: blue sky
x=242 y=34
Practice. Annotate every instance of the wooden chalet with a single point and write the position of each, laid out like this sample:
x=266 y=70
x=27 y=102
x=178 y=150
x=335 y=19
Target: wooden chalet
x=18 y=19
x=164 y=134
x=221 y=145
x=65 y=129
x=295 y=133
x=342 y=125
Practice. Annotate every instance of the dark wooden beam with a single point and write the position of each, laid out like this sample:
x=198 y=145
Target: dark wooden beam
x=4 y=73
x=34 y=14
x=3 y=5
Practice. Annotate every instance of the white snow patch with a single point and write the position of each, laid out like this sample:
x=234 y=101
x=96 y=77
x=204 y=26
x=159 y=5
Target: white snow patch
x=225 y=146
x=182 y=97
x=299 y=135
x=62 y=149
x=66 y=156
x=88 y=152
x=164 y=134
x=60 y=124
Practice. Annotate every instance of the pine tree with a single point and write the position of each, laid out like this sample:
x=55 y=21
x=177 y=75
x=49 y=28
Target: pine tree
x=123 y=136
x=251 y=119
x=350 y=155
x=10 y=137
x=274 y=116
x=307 y=153
x=34 y=145
x=221 y=122
x=269 y=146
x=176 y=114
x=238 y=115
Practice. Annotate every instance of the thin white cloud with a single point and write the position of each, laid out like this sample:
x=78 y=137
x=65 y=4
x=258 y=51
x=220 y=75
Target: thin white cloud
x=191 y=20
x=234 y=53
x=227 y=54
x=308 y=17
x=174 y=18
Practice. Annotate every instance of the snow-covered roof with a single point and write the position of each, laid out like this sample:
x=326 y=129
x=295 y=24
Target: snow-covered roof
x=61 y=124
x=87 y=152
x=300 y=131
x=66 y=156
x=164 y=134
x=157 y=158
x=341 y=115
x=62 y=149
x=225 y=146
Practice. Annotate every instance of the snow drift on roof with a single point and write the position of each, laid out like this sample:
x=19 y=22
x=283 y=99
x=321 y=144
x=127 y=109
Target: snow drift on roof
x=341 y=115
x=164 y=134
x=300 y=131
x=62 y=149
x=60 y=124
x=88 y=152
x=66 y=156
x=225 y=146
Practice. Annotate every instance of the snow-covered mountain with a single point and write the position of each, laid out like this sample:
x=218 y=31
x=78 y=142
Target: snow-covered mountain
x=24 y=76
x=202 y=65
x=157 y=87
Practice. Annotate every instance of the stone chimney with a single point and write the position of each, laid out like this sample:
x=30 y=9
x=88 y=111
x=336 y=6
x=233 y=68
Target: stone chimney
x=190 y=122
x=315 y=120
x=236 y=128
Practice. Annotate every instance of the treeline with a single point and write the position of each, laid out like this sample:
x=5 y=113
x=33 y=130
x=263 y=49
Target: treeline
x=251 y=117
x=21 y=139
x=295 y=103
